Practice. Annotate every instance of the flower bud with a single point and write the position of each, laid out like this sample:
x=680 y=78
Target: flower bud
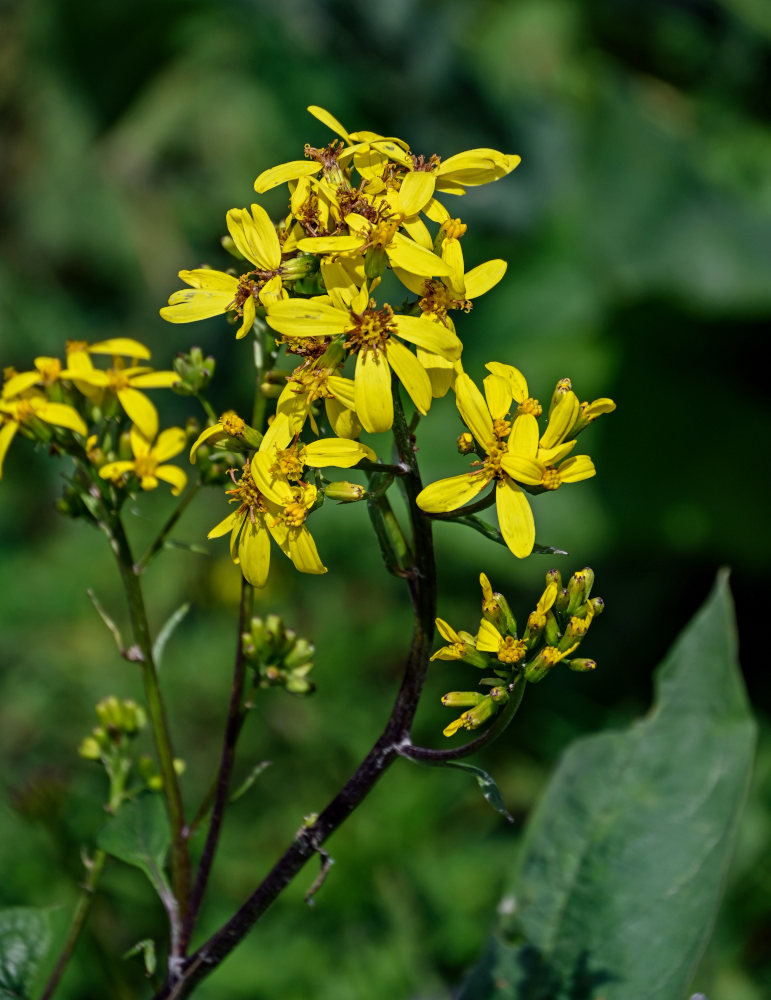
x=495 y=608
x=298 y=267
x=195 y=372
x=463 y=699
x=562 y=388
x=345 y=492
x=579 y=588
x=465 y=443
x=581 y=665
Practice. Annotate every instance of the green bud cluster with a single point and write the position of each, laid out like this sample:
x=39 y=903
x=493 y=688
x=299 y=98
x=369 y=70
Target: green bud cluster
x=120 y=722
x=552 y=633
x=195 y=372
x=278 y=656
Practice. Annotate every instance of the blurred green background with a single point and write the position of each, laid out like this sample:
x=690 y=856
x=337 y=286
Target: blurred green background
x=638 y=240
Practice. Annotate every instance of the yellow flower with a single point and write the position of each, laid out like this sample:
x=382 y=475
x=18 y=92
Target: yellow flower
x=510 y=449
x=370 y=334
x=24 y=411
x=258 y=517
x=213 y=293
x=508 y=649
x=148 y=458
x=125 y=383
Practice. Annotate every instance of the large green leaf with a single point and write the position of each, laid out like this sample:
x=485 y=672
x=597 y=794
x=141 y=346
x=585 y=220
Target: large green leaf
x=623 y=863
x=24 y=939
x=140 y=836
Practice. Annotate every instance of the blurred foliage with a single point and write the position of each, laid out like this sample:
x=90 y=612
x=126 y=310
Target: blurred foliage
x=637 y=235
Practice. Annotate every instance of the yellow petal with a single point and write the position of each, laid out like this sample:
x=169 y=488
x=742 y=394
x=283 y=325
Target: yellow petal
x=205 y=434
x=339 y=452
x=140 y=445
x=410 y=373
x=418 y=231
x=140 y=410
x=489 y=639
x=7 y=432
x=372 y=392
x=403 y=252
x=292 y=170
x=515 y=518
x=170 y=443
x=271 y=291
x=561 y=419
x=329 y=244
x=173 y=475
x=329 y=120
x=498 y=396
x=111 y=470
x=446 y=631
x=307 y=318
x=191 y=304
x=574 y=469
x=247 y=318
x=415 y=283
x=19 y=383
x=416 y=191
x=449 y=494
x=429 y=334
x=155 y=380
x=523 y=439
x=203 y=278
x=524 y=470
x=339 y=283
x=342 y=419
x=515 y=377
x=62 y=415
x=474 y=410
x=302 y=551
x=484 y=277
x=436 y=212
x=254 y=553
x=452 y=254
x=233 y=520
x=343 y=389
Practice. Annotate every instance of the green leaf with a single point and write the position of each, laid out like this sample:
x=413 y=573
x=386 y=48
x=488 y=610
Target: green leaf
x=624 y=861
x=487 y=785
x=25 y=937
x=167 y=631
x=140 y=836
x=250 y=779
x=145 y=948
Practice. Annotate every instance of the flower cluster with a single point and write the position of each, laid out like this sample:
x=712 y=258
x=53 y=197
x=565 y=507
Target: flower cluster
x=552 y=634
x=100 y=416
x=358 y=207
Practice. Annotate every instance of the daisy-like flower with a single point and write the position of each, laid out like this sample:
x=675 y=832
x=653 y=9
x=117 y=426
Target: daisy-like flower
x=148 y=462
x=125 y=383
x=213 y=293
x=257 y=518
x=24 y=411
x=510 y=449
x=508 y=649
x=371 y=334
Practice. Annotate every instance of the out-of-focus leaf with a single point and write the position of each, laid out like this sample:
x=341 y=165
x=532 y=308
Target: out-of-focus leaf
x=140 y=836
x=624 y=861
x=24 y=939
x=167 y=631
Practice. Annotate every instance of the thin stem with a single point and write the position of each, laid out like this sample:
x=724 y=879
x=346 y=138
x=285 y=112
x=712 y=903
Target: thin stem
x=142 y=652
x=309 y=840
x=227 y=759
x=427 y=755
x=85 y=899
x=163 y=534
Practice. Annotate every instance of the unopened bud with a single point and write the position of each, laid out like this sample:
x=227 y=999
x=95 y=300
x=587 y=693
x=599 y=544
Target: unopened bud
x=495 y=608
x=581 y=665
x=195 y=372
x=345 y=492
x=579 y=588
x=562 y=388
x=463 y=699
x=465 y=443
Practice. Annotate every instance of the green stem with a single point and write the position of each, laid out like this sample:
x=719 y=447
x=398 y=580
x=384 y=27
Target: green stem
x=142 y=652
x=78 y=921
x=163 y=534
